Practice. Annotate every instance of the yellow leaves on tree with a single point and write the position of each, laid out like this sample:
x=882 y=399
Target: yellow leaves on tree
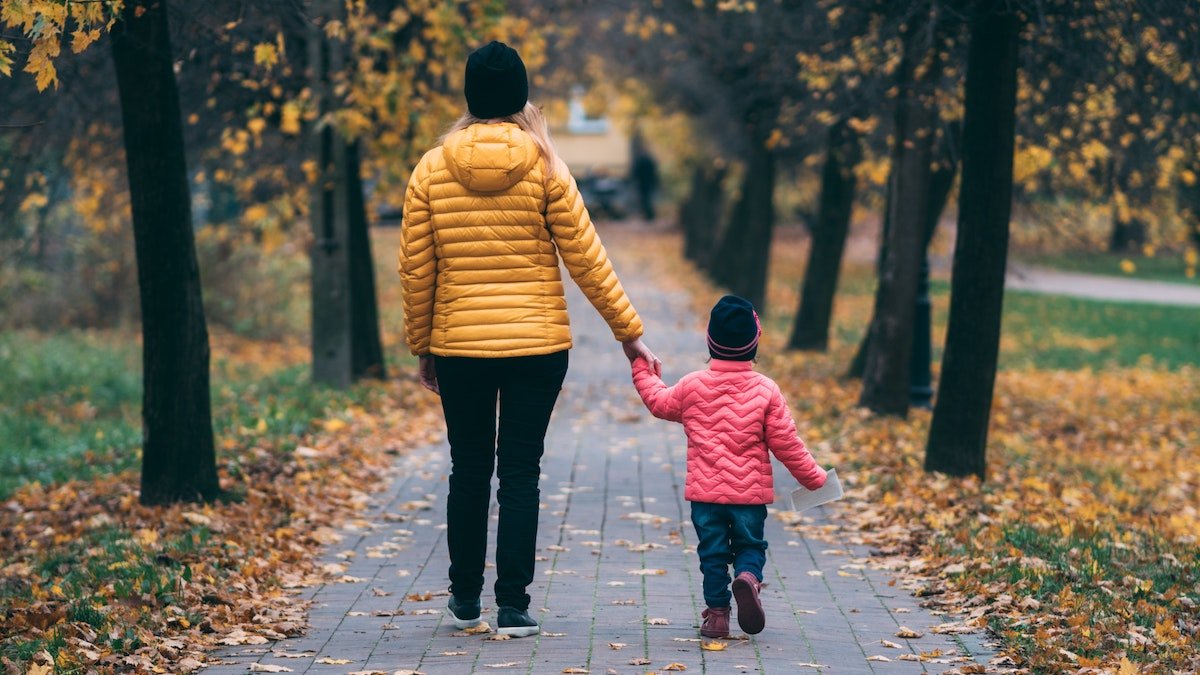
x=81 y=39
x=44 y=23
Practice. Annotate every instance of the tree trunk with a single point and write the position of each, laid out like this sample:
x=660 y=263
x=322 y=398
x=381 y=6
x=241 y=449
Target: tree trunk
x=958 y=432
x=859 y=363
x=811 y=329
x=741 y=262
x=700 y=212
x=887 y=368
x=1128 y=227
x=366 y=345
x=345 y=323
x=178 y=461
x=920 y=379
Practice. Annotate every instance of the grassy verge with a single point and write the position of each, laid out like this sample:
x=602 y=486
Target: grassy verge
x=70 y=404
x=1163 y=267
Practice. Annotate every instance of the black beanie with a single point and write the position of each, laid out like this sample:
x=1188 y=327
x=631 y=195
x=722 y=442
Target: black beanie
x=733 y=330
x=496 y=84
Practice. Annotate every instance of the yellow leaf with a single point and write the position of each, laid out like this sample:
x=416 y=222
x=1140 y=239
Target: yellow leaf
x=266 y=55
x=1126 y=667
x=289 y=122
x=714 y=646
x=81 y=39
x=1128 y=267
x=679 y=667
x=33 y=201
x=6 y=48
x=39 y=669
x=333 y=424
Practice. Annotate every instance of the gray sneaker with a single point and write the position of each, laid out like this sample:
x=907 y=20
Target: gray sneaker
x=516 y=623
x=464 y=612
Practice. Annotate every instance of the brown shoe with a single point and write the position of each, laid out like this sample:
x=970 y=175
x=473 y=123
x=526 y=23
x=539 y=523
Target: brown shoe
x=750 y=610
x=716 y=622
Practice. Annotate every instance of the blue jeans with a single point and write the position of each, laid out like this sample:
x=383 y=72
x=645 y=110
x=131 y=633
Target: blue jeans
x=728 y=534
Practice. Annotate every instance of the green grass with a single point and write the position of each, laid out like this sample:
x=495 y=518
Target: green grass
x=1057 y=332
x=1164 y=267
x=70 y=406
x=1069 y=333
x=68 y=403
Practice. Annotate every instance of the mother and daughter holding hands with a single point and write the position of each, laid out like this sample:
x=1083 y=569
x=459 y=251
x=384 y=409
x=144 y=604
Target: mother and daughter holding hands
x=488 y=214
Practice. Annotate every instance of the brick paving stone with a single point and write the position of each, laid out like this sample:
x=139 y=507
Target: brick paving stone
x=608 y=464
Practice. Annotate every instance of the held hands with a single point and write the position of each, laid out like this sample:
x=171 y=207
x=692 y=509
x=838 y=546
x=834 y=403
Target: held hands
x=635 y=349
x=427 y=374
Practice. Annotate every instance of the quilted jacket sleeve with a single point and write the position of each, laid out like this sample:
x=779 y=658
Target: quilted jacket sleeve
x=663 y=402
x=417 y=264
x=585 y=257
x=785 y=444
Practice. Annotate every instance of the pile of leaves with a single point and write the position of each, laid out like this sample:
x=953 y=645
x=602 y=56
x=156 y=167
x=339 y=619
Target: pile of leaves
x=1080 y=551
x=94 y=581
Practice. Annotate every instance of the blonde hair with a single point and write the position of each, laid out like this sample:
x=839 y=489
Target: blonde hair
x=530 y=119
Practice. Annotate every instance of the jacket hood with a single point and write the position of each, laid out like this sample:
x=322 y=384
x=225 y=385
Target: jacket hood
x=490 y=157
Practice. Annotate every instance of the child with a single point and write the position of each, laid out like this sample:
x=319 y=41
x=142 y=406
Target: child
x=732 y=416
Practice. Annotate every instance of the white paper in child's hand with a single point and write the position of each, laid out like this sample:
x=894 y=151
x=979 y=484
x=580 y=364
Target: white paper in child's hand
x=803 y=498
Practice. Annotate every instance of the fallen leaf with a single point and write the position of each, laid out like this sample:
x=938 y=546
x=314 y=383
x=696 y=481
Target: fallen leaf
x=268 y=668
x=658 y=621
x=333 y=662
x=890 y=644
x=648 y=572
x=714 y=646
x=675 y=667
x=506 y=664
x=639 y=661
x=478 y=629
x=616 y=645
x=573 y=669
x=878 y=658
x=906 y=632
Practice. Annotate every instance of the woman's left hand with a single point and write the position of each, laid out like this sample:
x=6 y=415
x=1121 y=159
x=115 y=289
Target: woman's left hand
x=428 y=374
x=635 y=349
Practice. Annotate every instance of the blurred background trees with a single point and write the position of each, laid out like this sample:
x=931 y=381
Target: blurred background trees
x=827 y=121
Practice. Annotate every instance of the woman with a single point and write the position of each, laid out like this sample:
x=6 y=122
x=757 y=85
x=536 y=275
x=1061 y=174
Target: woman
x=486 y=216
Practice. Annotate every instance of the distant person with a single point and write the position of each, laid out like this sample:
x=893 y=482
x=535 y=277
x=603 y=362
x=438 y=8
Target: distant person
x=734 y=419
x=645 y=180
x=487 y=215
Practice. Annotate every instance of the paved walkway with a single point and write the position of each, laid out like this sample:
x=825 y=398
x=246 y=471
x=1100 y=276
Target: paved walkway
x=1100 y=287
x=617 y=588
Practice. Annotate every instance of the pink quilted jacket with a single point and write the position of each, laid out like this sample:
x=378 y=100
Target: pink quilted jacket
x=732 y=417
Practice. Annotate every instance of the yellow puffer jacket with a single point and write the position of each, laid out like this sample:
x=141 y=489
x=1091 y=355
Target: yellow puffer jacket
x=483 y=230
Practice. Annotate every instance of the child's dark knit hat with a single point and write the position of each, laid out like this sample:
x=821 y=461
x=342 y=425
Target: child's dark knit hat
x=496 y=83
x=733 y=330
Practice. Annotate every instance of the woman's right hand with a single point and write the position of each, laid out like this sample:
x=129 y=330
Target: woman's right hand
x=635 y=349
x=428 y=374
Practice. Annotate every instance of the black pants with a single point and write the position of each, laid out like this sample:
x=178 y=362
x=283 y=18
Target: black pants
x=526 y=388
